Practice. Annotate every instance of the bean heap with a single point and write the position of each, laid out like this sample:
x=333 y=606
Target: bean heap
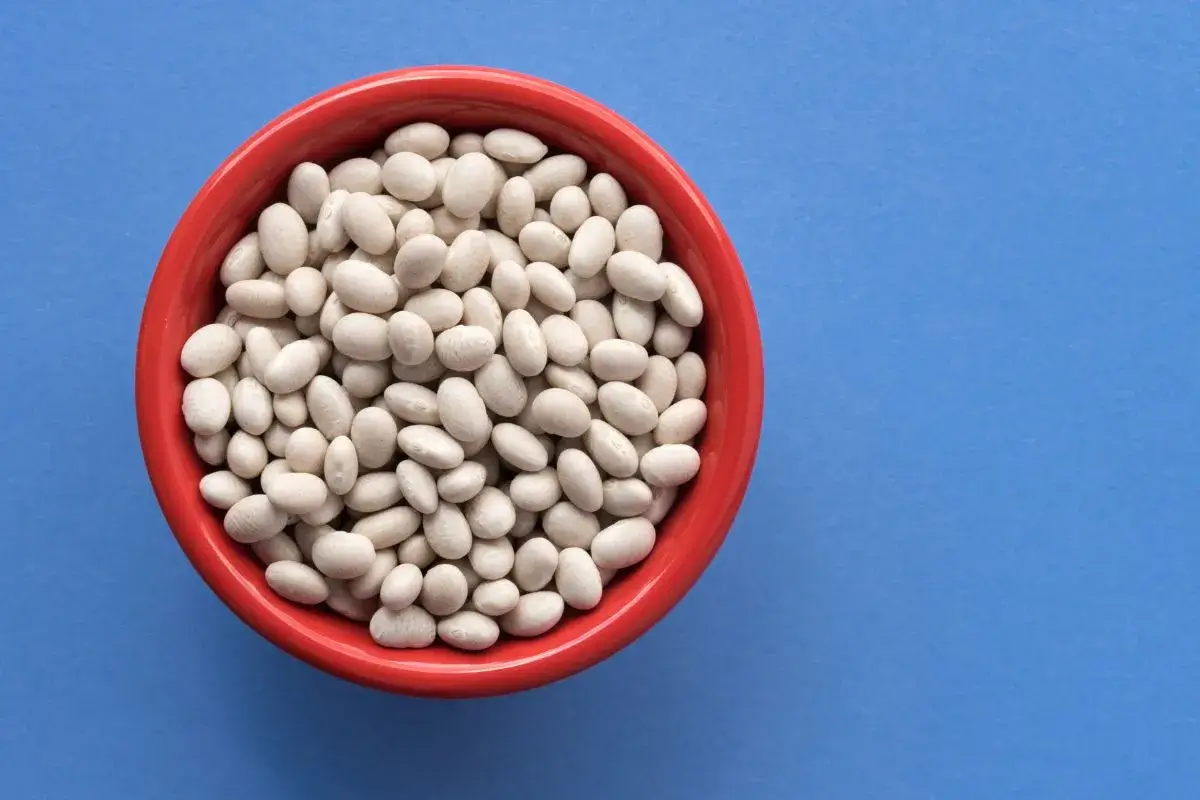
x=450 y=392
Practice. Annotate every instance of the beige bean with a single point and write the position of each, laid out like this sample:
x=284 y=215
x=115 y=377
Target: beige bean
x=297 y=492
x=409 y=337
x=638 y=230
x=462 y=483
x=544 y=241
x=247 y=455
x=692 y=375
x=373 y=432
x=253 y=519
x=209 y=350
x=510 y=285
x=297 y=582
x=279 y=547
x=330 y=407
x=415 y=222
x=514 y=146
x=568 y=526
x=466 y=261
x=390 y=527
x=222 y=489
x=282 y=238
x=535 y=613
x=480 y=308
x=441 y=308
x=409 y=628
x=670 y=338
x=591 y=247
x=401 y=587
x=519 y=447
x=580 y=479
x=362 y=336
x=577 y=580
x=420 y=261
x=670 y=464
x=491 y=514
x=627 y=408
x=515 y=206
x=424 y=138
x=534 y=564
x=430 y=446
x=569 y=207
x=553 y=173
x=626 y=497
x=524 y=343
x=535 y=491
x=503 y=249
x=465 y=348
x=658 y=382
x=341 y=464
x=447 y=531
x=636 y=275
x=206 y=406
x=501 y=387
x=561 y=413
x=606 y=196
x=623 y=544
x=408 y=176
x=243 y=262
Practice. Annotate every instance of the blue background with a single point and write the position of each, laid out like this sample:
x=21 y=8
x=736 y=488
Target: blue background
x=967 y=563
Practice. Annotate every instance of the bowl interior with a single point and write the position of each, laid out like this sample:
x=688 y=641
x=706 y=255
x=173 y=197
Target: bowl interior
x=351 y=121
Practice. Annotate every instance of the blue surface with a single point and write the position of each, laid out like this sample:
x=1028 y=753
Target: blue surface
x=967 y=563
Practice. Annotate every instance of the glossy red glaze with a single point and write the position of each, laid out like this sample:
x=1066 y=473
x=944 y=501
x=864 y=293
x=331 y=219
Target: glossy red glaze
x=351 y=119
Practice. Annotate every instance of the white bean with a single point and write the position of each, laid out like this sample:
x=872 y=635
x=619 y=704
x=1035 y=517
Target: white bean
x=623 y=544
x=253 y=519
x=553 y=173
x=544 y=241
x=639 y=230
x=222 y=489
x=535 y=491
x=491 y=514
x=279 y=547
x=577 y=579
x=524 y=344
x=408 y=176
x=243 y=262
x=343 y=555
x=282 y=238
x=670 y=464
x=606 y=196
x=441 y=308
x=373 y=491
x=401 y=587
x=411 y=627
x=297 y=492
x=510 y=285
x=463 y=482
x=367 y=224
x=370 y=583
x=206 y=406
x=534 y=614
x=210 y=349
x=373 y=432
x=692 y=376
x=297 y=582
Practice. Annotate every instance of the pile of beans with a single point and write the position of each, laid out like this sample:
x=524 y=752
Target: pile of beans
x=450 y=392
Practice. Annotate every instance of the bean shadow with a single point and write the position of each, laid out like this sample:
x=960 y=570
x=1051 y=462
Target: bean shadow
x=641 y=724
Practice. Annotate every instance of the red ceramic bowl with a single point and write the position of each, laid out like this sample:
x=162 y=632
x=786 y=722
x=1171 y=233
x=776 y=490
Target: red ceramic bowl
x=352 y=119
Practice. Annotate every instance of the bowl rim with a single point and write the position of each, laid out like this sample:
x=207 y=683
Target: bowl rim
x=163 y=453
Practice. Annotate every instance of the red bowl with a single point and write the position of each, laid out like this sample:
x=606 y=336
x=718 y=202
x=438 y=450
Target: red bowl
x=352 y=119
